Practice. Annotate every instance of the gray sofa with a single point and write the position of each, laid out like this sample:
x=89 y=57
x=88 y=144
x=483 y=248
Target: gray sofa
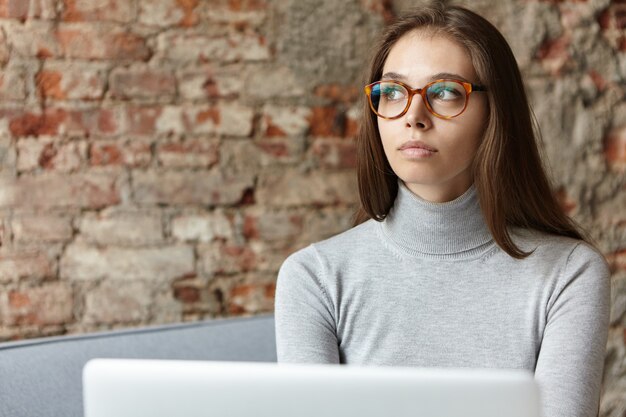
x=42 y=377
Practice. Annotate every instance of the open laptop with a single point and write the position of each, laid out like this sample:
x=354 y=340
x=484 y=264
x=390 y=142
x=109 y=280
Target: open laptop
x=174 y=388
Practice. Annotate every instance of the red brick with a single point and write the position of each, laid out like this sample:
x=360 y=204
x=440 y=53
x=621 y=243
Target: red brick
x=187 y=294
x=274 y=148
x=32 y=124
x=142 y=119
x=278 y=121
x=554 y=54
x=132 y=153
x=62 y=81
x=108 y=42
x=196 y=152
x=567 y=204
x=382 y=7
x=615 y=148
x=49 y=154
x=247 y=5
x=252 y=297
x=597 y=79
x=123 y=11
x=23 y=9
x=54 y=121
x=223 y=82
x=25 y=265
x=94 y=122
x=329 y=121
x=211 y=113
x=250 y=228
x=142 y=83
x=606 y=19
x=219 y=258
x=49 y=304
x=225 y=119
x=338 y=93
x=617 y=260
x=49 y=84
x=334 y=153
x=14 y=9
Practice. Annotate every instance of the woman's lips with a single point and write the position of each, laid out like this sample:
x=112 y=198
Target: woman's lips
x=417 y=153
x=417 y=149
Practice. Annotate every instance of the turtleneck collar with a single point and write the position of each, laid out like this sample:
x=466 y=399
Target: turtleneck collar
x=454 y=229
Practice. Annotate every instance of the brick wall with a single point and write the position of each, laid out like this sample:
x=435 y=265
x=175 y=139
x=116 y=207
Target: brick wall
x=159 y=159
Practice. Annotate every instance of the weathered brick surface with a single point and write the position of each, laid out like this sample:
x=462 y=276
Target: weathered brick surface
x=115 y=302
x=98 y=10
x=45 y=191
x=50 y=303
x=122 y=227
x=191 y=152
x=142 y=82
x=160 y=159
x=188 y=187
x=66 y=81
x=287 y=187
x=42 y=228
x=100 y=42
x=202 y=227
x=87 y=262
x=25 y=265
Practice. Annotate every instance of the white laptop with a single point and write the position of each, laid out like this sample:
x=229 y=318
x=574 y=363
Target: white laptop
x=168 y=388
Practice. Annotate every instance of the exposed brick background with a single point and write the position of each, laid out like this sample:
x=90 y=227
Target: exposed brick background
x=159 y=159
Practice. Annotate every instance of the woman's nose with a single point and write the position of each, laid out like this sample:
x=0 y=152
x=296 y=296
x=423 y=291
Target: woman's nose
x=418 y=116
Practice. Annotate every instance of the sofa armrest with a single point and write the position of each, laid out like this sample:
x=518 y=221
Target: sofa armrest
x=42 y=377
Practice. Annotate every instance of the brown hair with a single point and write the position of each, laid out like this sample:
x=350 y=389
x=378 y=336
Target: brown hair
x=509 y=177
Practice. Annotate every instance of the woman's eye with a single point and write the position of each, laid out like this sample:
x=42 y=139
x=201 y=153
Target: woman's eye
x=393 y=94
x=445 y=94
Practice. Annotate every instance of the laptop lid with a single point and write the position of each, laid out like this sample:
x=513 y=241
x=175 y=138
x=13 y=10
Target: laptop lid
x=168 y=388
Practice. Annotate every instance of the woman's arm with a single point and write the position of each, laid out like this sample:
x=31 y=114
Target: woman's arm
x=571 y=360
x=303 y=312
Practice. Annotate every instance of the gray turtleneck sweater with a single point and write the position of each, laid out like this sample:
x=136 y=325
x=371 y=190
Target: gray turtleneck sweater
x=429 y=287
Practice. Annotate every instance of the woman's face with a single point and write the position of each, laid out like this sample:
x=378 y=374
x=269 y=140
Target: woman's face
x=443 y=173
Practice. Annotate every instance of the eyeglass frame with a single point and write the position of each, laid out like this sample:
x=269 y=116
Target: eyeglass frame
x=469 y=88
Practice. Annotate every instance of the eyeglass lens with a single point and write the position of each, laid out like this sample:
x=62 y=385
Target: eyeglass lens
x=446 y=98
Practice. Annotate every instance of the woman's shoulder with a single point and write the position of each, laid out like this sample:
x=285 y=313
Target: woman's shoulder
x=342 y=243
x=547 y=245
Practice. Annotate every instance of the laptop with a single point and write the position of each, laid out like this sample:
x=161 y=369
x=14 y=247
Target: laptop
x=177 y=388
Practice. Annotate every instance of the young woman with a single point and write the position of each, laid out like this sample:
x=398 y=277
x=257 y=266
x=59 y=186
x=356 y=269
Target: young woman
x=460 y=255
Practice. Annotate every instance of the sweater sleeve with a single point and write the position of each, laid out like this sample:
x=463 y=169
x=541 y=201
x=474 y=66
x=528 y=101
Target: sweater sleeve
x=303 y=312
x=571 y=358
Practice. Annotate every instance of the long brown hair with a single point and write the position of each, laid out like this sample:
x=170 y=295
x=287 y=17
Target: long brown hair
x=509 y=177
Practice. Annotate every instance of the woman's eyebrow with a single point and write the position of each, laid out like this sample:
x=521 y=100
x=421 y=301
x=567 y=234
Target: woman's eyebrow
x=448 y=75
x=439 y=75
x=393 y=76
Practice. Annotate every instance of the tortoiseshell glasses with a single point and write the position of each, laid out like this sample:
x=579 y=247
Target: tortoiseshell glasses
x=443 y=98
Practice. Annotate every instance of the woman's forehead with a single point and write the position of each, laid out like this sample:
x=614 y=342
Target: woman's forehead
x=417 y=57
